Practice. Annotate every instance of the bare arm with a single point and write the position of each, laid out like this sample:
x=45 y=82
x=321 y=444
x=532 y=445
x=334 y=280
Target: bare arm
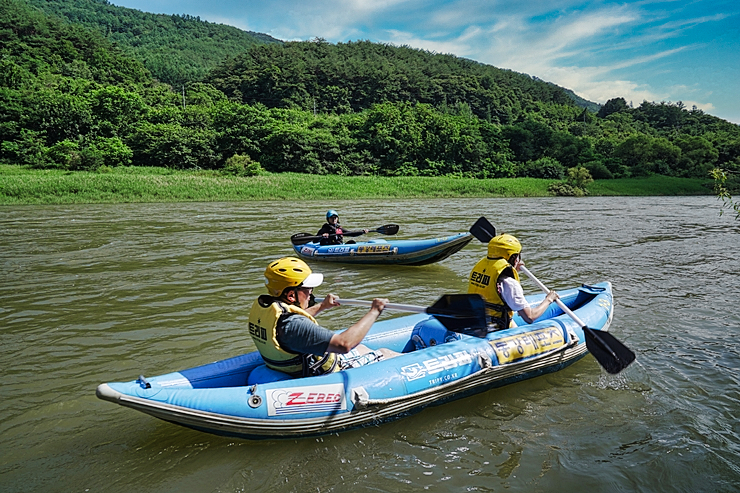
x=344 y=342
x=530 y=314
x=326 y=303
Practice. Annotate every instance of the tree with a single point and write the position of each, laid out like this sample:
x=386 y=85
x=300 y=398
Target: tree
x=644 y=155
x=723 y=193
x=615 y=105
x=579 y=177
x=239 y=165
x=116 y=106
x=575 y=185
x=698 y=155
x=544 y=167
x=173 y=146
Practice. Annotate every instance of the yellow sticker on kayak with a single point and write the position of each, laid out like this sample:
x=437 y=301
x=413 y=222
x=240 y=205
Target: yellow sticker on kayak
x=520 y=346
x=373 y=249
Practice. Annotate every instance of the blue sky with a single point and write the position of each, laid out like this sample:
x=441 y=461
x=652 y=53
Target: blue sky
x=662 y=50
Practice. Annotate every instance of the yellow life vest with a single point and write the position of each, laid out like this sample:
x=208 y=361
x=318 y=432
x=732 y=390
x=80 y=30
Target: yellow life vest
x=485 y=280
x=263 y=320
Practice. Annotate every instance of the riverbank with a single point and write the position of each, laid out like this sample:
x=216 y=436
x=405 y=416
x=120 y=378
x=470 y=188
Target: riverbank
x=20 y=185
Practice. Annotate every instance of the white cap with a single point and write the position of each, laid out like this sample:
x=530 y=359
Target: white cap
x=313 y=280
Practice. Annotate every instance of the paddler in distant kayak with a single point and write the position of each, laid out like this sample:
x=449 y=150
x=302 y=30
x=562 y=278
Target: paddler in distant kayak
x=284 y=329
x=496 y=278
x=333 y=233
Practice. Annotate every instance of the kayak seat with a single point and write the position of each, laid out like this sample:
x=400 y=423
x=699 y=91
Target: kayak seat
x=263 y=374
x=431 y=332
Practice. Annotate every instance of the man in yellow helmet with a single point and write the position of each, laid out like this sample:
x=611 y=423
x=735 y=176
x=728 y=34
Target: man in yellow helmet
x=496 y=278
x=284 y=328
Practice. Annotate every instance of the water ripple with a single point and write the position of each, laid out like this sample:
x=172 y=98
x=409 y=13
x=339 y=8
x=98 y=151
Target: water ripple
x=107 y=292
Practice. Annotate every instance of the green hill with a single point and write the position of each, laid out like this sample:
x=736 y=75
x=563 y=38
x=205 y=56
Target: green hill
x=176 y=48
x=353 y=76
x=73 y=99
x=34 y=43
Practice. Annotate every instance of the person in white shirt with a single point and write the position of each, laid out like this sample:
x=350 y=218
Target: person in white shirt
x=496 y=278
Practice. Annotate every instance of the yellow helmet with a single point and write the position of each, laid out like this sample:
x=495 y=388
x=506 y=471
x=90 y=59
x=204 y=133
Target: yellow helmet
x=503 y=246
x=290 y=272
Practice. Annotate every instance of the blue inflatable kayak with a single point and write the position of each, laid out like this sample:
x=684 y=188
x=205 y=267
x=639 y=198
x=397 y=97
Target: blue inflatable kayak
x=380 y=251
x=241 y=397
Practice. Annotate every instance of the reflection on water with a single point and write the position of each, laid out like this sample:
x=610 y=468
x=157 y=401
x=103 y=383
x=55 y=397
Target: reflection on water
x=97 y=293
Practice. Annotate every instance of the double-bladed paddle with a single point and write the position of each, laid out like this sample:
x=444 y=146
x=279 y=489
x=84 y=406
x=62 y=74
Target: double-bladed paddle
x=483 y=230
x=457 y=312
x=608 y=351
x=303 y=238
x=611 y=354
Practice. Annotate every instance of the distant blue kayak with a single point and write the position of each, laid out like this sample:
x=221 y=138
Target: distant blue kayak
x=380 y=251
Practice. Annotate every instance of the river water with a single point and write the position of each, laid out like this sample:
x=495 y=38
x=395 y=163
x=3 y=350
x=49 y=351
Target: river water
x=98 y=293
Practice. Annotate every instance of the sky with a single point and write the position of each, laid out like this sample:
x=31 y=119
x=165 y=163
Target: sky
x=651 y=50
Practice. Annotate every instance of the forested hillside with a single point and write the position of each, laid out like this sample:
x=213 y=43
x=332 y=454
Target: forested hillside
x=352 y=77
x=34 y=44
x=71 y=99
x=176 y=48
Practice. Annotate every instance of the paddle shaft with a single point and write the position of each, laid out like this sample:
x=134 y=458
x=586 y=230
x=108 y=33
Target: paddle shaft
x=389 y=306
x=303 y=238
x=558 y=301
x=464 y=313
x=483 y=230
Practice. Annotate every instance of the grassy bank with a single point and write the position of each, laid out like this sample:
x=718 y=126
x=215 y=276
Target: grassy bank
x=19 y=185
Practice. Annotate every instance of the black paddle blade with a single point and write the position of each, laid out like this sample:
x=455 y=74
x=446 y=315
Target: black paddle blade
x=464 y=313
x=483 y=230
x=611 y=354
x=388 y=229
x=303 y=238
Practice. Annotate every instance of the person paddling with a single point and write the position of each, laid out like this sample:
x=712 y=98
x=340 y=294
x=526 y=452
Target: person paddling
x=496 y=278
x=284 y=328
x=333 y=233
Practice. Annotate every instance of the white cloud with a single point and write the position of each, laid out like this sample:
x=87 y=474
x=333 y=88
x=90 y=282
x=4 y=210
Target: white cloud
x=399 y=38
x=599 y=49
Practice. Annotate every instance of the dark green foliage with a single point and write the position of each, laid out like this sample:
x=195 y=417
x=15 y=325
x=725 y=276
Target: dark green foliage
x=598 y=170
x=116 y=106
x=354 y=76
x=37 y=44
x=532 y=140
x=238 y=165
x=416 y=140
x=73 y=156
x=615 y=105
x=177 y=49
x=575 y=185
x=644 y=154
x=70 y=99
x=544 y=167
x=303 y=146
x=698 y=155
x=173 y=146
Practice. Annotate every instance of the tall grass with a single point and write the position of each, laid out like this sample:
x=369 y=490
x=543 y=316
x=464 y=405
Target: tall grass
x=19 y=185
x=652 y=185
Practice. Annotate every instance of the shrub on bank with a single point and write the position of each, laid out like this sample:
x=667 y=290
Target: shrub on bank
x=239 y=165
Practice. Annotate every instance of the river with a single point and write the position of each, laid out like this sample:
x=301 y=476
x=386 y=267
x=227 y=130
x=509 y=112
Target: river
x=99 y=293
